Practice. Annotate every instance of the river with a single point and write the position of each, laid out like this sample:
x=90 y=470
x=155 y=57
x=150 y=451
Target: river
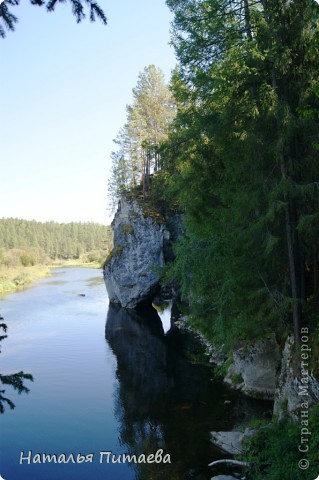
x=106 y=380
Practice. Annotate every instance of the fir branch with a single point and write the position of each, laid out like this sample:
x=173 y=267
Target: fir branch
x=5 y=400
x=9 y=20
x=16 y=381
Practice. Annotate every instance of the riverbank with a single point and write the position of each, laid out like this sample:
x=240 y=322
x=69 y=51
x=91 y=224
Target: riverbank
x=13 y=279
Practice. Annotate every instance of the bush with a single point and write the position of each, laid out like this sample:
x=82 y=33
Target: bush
x=108 y=258
x=27 y=260
x=127 y=228
x=22 y=279
x=276 y=446
x=119 y=250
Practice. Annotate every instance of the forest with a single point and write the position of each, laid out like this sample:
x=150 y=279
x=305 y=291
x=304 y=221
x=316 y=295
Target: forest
x=29 y=248
x=232 y=142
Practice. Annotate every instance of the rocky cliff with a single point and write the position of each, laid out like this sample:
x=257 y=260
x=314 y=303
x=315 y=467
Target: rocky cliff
x=264 y=370
x=141 y=247
x=296 y=384
x=132 y=273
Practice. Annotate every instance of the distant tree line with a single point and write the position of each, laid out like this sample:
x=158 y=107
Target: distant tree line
x=54 y=240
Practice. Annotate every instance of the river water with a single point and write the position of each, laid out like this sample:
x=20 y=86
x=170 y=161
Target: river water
x=106 y=380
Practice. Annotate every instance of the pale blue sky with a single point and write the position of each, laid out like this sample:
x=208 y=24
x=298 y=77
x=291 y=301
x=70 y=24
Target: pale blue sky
x=64 y=89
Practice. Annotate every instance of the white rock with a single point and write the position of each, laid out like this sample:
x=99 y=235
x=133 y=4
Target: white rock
x=224 y=477
x=130 y=276
x=288 y=397
x=231 y=442
x=255 y=368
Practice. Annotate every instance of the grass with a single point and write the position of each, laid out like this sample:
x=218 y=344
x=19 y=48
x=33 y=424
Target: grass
x=77 y=263
x=17 y=278
x=276 y=447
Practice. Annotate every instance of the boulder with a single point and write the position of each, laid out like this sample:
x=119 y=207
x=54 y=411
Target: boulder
x=255 y=368
x=132 y=273
x=231 y=442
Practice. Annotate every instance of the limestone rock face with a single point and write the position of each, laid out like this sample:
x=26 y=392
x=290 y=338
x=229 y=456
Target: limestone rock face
x=293 y=391
x=130 y=275
x=255 y=368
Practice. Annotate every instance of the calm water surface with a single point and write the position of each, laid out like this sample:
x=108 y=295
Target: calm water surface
x=106 y=380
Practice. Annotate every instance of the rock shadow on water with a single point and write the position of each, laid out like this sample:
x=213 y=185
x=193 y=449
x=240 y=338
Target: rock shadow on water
x=138 y=343
x=166 y=400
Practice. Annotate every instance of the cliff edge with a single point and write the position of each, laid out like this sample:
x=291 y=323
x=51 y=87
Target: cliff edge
x=132 y=274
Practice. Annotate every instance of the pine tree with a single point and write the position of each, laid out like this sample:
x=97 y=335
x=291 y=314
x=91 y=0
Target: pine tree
x=148 y=119
x=247 y=164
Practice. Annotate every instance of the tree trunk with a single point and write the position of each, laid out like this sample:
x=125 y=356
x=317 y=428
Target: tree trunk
x=315 y=266
x=247 y=20
x=294 y=258
x=292 y=241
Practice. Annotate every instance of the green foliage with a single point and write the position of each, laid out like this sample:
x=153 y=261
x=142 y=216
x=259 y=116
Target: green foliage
x=28 y=247
x=22 y=279
x=242 y=164
x=148 y=118
x=26 y=260
x=24 y=242
x=127 y=228
x=277 y=446
x=236 y=378
x=119 y=249
x=96 y=257
x=20 y=256
x=108 y=258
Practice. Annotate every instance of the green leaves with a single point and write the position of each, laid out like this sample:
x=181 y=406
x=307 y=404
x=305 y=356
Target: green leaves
x=246 y=166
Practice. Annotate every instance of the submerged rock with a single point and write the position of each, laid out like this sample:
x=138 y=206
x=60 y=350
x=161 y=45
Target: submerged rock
x=132 y=274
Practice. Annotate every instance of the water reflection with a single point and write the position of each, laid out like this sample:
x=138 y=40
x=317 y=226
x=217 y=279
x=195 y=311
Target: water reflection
x=139 y=346
x=165 y=400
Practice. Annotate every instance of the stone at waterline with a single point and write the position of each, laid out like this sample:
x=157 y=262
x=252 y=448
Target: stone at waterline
x=224 y=477
x=231 y=442
x=132 y=274
x=255 y=368
x=291 y=392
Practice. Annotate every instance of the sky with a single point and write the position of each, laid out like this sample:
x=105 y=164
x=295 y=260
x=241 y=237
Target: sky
x=63 y=94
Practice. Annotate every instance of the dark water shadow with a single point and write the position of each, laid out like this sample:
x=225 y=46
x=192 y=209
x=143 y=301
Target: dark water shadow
x=165 y=399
